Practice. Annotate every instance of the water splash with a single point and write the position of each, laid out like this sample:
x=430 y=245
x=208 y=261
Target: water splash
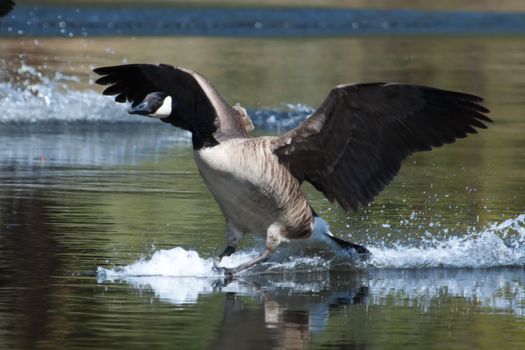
x=48 y=99
x=43 y=121
x=35 y=98
x=194 y=275
x=46 y=119
x=180 y=276
x=280 y=119
x=179 y=262
x=396 y=275
x=501 y=244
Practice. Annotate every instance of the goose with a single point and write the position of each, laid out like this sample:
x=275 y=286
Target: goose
x=349 y=149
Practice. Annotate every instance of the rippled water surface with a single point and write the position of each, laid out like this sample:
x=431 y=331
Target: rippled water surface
x=107 y=232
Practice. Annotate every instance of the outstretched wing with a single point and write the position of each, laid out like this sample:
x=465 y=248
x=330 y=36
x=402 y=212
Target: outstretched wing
x=354 y=143
x=193 y=92
x=6 y=6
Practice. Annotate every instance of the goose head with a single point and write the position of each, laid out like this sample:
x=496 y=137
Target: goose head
x=156 y=105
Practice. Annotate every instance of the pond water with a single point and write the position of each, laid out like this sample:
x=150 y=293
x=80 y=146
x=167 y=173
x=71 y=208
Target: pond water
x=107 y=232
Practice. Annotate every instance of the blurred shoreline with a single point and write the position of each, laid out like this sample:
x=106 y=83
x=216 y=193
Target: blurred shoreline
x=446 y=5
x=97 y=20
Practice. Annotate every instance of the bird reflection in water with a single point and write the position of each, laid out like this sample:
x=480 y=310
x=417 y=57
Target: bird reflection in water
x=292 y=310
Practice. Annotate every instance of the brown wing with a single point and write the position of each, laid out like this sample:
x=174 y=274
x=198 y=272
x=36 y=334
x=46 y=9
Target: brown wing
x=353 y=145
x=193 y=92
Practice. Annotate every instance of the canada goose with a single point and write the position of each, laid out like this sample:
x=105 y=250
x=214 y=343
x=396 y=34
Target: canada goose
x=6 y=6
x=349 y=149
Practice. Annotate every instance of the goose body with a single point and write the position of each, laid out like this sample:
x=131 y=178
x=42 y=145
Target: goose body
x=253 y=189
x=349 y=149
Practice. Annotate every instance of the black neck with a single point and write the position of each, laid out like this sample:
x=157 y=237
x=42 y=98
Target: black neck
x=200 y=137
x=202 y=141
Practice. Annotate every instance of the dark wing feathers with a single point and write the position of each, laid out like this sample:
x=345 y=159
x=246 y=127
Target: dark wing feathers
x=354 y=143
x=194 y=93
x=6 y=6
x=132 y=82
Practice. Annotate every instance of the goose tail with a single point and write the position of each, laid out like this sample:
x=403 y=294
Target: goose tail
x=322 y=232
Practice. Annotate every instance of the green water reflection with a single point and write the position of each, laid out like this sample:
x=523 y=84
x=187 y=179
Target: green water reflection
x=63 y=217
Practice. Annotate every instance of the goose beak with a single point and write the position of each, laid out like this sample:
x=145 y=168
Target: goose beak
x=142 y=109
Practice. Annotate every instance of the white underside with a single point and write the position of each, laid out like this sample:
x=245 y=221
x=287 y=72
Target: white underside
x=320 y=232
x=320 y=227
x=319 y=243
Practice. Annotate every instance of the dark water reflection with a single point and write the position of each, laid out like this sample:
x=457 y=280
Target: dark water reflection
x=60 y=221
x=78 y=192
x=28 y=262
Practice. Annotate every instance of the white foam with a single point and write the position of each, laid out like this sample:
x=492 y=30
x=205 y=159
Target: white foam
x=179 y=262
x=36 y=97
x=176 y=262
x=176 y=275
x=180 y=276
x=500 y=245
x=285 y=117
x=51 y=100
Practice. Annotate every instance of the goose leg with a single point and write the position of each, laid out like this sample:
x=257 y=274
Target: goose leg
x=261 y=258
x=274 y=237
x=229 y=250
x=233 y=236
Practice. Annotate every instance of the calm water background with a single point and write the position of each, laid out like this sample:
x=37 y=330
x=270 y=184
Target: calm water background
x=107 y=231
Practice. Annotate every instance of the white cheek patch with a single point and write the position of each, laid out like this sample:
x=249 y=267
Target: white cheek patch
x=164 y=110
